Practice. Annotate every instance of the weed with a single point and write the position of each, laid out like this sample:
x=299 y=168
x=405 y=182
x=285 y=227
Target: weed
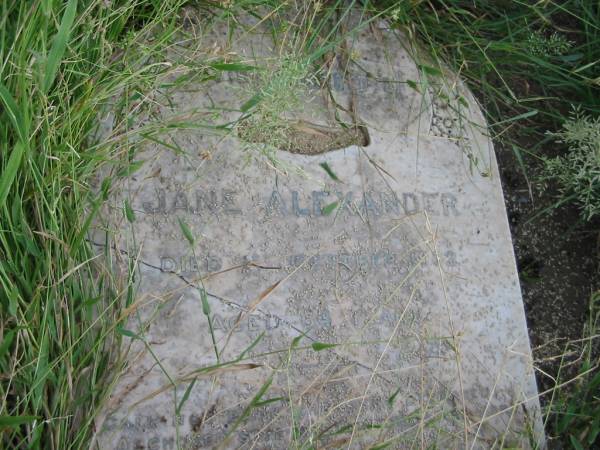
x=578 y=172
x=526 y=67
x=279 y=91
x=575 y=410
x=276 y=93
x=554 y=45
x=60 y=308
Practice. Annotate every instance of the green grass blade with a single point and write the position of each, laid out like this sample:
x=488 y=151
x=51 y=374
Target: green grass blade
x=187 y=232
x=328 y=209
x=59 y=46
x=13 y=112
x=233 y=67
x=13 y=421
x=327 y=168
x=186 y=396
x=10 y=171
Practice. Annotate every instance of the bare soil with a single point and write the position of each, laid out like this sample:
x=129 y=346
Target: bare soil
x=557 y=257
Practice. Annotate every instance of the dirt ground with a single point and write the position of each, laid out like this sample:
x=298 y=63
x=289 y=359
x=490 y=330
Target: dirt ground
x=557 y=257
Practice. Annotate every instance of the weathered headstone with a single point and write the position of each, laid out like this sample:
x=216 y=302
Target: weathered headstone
x=361 y=292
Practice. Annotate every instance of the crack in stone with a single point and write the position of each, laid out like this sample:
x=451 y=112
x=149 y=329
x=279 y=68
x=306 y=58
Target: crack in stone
x=221 y=299
x=240 y=307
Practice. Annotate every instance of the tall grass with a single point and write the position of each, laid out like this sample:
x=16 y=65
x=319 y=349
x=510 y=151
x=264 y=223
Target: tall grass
x=575 y=412
x=60 y=62
x=529 y=62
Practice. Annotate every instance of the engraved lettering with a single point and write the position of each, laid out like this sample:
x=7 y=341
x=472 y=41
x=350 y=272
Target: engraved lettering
x=318 y=197
x=411 y=203
x=253 y=324
x=271 y=322
x=345 y=202
x=229 y=205
x=391 y=202
x=123 y=444
x=154 y=443
x=167 y=264
x=296 y=205
x=213 y=263
x=276 y=203
x=206 y=200
x=449 y=204
x=218 y=323
x=161 y=207
x=168 y=443
x=370 y=205
x=180 y=202
x=428 y=202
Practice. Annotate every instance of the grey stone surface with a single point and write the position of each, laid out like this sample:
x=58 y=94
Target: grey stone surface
x=404 y=263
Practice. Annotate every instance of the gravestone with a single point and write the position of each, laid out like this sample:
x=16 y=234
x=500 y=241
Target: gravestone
x=354 y=287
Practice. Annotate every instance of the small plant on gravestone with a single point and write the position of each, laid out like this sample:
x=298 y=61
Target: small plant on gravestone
x=578 y=172
x=275 y=93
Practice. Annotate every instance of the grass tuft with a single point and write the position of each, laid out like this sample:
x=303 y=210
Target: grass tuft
x=61 y=63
